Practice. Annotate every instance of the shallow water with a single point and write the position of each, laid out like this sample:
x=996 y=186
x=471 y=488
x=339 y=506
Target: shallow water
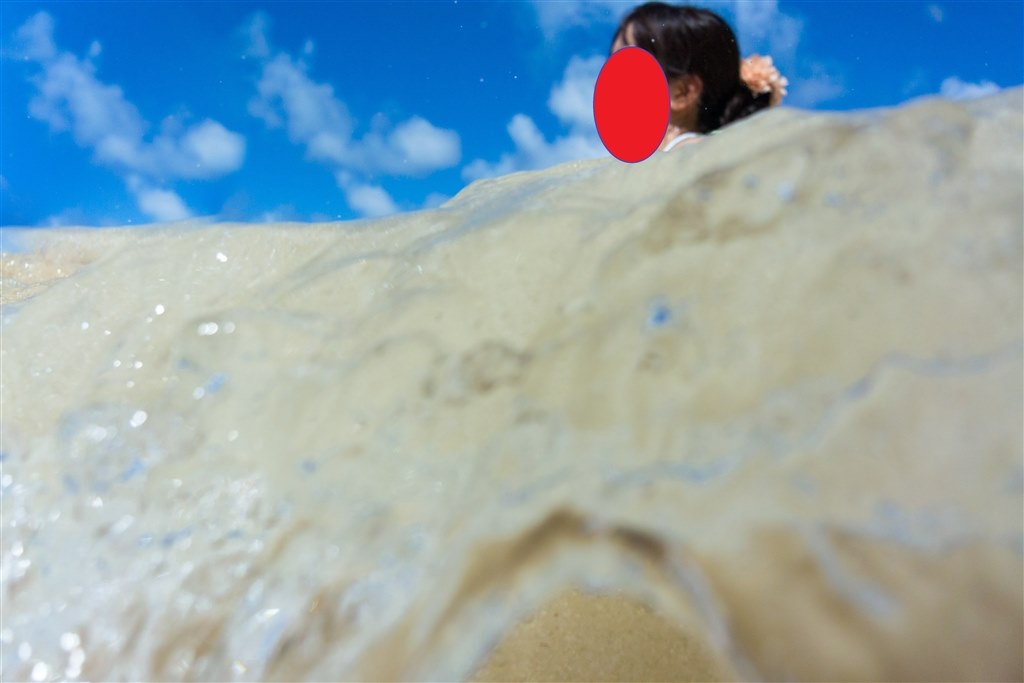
x=769 y=384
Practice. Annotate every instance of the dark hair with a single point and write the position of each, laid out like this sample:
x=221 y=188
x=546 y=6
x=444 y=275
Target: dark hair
x=690 y=40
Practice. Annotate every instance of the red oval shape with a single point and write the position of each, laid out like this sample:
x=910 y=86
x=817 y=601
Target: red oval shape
x=631 y=106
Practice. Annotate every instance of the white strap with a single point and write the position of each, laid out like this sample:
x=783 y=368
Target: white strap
x=676 y=140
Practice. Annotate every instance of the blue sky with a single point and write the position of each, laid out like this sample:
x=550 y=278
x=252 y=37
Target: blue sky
x=127 y=113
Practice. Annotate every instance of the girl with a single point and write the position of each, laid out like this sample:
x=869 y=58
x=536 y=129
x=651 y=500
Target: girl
x=708 y=85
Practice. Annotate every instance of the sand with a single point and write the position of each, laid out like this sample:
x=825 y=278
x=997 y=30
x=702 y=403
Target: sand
x=748 y=410
x=578 y=636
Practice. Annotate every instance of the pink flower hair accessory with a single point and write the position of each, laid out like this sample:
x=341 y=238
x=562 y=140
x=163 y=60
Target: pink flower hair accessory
x=762 y=77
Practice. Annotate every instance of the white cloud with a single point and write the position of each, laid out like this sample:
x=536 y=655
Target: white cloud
x=208 y=148
x=69 y=97
x=434 y=200
x=763 y=28
x=570 y=100
x=159 y=204
x=71 y=217
x=282 y=213
x=162 y=205
x=819 y=86
x=424 y=146
x=915 y=82
x=370 y=201
x=256 y=31
x=555 y=16
x=316 y=118
x=957 y=89
x=310 y=112
x=936 y=13
x=36 y=38
x=533 y=151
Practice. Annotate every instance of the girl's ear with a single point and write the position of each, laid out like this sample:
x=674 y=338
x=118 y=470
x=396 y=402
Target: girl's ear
x=684 y=92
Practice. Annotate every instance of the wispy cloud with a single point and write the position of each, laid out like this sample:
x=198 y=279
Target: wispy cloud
x=936 y=13
x=572 y=98
x=915 y=83
x=256 y=31
x=553 y=17
x=571 y=101
x=764 y=28
x=369 y=200
x=956 y=89
x=70 y=97
x=315 y=117
x=309 y=112
x=818 y=84
x=434 y=200
x=163 y=205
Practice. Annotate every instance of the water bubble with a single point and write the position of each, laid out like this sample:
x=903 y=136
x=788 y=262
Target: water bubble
x=96 y=433
x=207 y=329
x=75 y=661
x=267 y=614
x=222 y=257
x=138 y=418
x=215 y=384
x=122 y=525
x=159 y=310
x=660 y=314
x=786 y=192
